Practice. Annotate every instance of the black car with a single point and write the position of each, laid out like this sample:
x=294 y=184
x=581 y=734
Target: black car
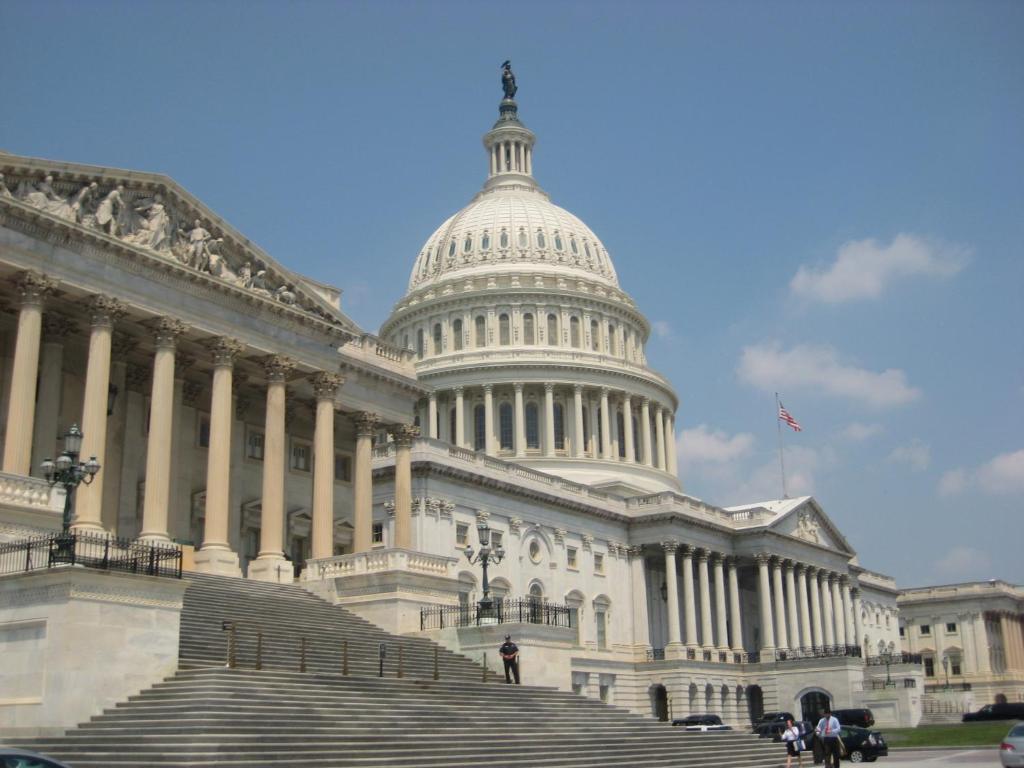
x=702 y=723
x=773 y=717
x=1014 y=711
x=774 y=730
x=19 y=758
x=862 y=745
x=861 y=717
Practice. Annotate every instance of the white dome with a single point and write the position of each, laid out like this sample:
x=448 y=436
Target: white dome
x=509 y=226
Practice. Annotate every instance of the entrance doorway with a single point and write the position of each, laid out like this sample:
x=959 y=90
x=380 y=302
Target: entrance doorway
x=659 y=702
x=812 y=705
x=755 y=703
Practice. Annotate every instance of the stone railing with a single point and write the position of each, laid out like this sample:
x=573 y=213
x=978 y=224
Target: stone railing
x=29 y=493
x=370 y=349
x=378 y=561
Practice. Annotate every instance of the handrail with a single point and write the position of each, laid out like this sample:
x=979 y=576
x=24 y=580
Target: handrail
x=90 y=550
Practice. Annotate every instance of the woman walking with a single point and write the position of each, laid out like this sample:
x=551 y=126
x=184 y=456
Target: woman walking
x=793 y=745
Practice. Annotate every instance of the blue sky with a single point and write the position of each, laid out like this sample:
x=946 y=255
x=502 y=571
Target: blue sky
x=823 y=199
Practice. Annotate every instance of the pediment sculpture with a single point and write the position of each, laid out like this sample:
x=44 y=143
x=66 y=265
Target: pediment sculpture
x=807 y=528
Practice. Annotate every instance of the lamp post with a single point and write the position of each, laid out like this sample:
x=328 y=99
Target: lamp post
x=887 y=658
x=484 y=556
x=68 y=471
x=945 y=668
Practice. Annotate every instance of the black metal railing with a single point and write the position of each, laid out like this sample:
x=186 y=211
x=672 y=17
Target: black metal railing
x=893 y=658
x=818 y=652
x=90 y=551
x=940 y=687
x=522 y=611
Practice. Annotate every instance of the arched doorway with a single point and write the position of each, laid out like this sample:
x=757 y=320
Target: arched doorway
x=755 y=702
x=812 y=704
x=659 y=702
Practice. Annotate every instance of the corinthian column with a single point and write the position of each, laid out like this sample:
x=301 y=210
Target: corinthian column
x=403 y=435
x=577 y=421
x=104 y=313
x=670 y=446
x=805 y=618
x=735 y=618
x=489 y=447
x=765 y=601
x=837 y=612
x=645 y=432
x=826 y=609
x=814 y=575
x=781 y=635
x=672 y=597
x=520 y=423
x=362 y=482
x=325 y=389
x=606 y=426
x=858 y=629
x=659 y=431
x=460 y=418
x=721 y=625
x=549 y=419
x=627 y=427
x=707 y=638
x=432 y=415
x=161 y=421
x=849 y=633
x=689 y=603
x=271 y=564
x=792 y=620
x=641 y=631
x=51 y=383
x=33 y=288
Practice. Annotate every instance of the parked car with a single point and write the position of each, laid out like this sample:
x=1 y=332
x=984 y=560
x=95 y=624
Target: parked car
x=773 y=717
x=774 y=730
x=1011 y=751
x=702 y=723
x=863 y=745
x=19 y=758
x=861 y=717
x=1012 y=711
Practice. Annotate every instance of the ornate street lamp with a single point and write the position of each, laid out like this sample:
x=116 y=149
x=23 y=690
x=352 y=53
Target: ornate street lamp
x=484 y=556
x=887 y=658
x=945 y=668
x=68 y=471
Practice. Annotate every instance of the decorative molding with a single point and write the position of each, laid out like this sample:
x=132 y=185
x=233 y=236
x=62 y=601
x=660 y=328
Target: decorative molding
x=326 y=384
x=365 y=423
x=515 y=525
x=588 y=542
x=166 y=331
x=104 y=311
x=277 y=368
x=560 y=535
x=224 y=350
x=34 y=287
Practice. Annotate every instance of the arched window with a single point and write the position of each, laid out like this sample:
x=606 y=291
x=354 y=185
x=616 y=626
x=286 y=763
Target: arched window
x=485 y=241
x=457 y=334
x=523 y=240
x=467 y=244
x=479 y=428
x=558 y=242
x=586 y=247
x=611 y=340
x=505 y=423
x=437 y=338
x=405 y=341
x=419 y=344
x=636 y=442
x=532 y=427
x=504 y=333
x=572 y=244
x=541 y=240
x=620 y=422
x=595 y=335
x=559 y=414
x=553 y=330
x=504 y=239
x=451 y=248
x=480 y=338
x=574 y=331
x=529 y=335
x=452 y=437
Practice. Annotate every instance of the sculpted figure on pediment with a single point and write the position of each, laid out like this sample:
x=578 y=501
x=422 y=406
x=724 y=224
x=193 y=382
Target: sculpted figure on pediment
x=111 y=214
x=807 y=528
x=259 y=282
x=80 y=202
x=43 y=196
x=154 y=231
x=4 y=191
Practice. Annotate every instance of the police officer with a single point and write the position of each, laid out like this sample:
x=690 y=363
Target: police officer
x=510 y=655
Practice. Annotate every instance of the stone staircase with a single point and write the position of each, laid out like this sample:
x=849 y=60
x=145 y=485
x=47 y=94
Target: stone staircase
x=211 y=715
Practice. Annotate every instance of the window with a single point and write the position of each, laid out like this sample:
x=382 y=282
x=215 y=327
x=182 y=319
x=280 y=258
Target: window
x=541 y=241
x=611 y=340
x=598 y=562
x=485 y=241
x=574 y=332
x=570 y=557
x=558 y=242
x=452 y=437
x=451 y=248
x=602 y=692
x=595 y=336
x=529 y=335
x=343 y=467
x=926 y=629
x=497 y=540
x=535 y=554
x=457 y=334
x=620 y=423
x=479 y=428
x=929 y=666
x=378 y=533
x=254 y=444
x=553 y=330
x=481 y=331
x=505 y=419
x=301 y=453
x=461 y=534
x=954 y=666
x=504 y=239
x=559 y=414
x=419 y=344
x=532 y=430
x=903 y=631
x=504 y=331
x=437 y=338
x=523 y=240
x=203 y=431
x=602 y=628
x=951 y=627
x=586 y=430
x=467 y=244
x=572 y=244
x=586 y=247
x=636 y=443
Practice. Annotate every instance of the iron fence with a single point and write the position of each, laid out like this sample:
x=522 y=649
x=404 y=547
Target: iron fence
x=90 y=550
x=818 y=652
x=893 y=658
x=521 y=611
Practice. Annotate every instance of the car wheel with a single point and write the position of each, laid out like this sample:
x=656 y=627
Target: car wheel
x=856 y=756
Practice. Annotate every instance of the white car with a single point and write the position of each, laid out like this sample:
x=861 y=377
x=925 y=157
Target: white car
x=1011 y=751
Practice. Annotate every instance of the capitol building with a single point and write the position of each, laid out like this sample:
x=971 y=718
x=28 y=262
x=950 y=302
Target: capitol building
x=238 y=413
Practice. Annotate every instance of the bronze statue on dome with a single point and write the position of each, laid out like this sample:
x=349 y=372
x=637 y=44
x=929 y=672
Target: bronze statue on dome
x=508 y=80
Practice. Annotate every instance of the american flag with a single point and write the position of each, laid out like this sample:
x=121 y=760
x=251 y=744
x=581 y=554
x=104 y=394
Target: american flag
x=785 y=416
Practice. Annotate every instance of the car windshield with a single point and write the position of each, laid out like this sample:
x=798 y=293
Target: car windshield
x=1017 y=730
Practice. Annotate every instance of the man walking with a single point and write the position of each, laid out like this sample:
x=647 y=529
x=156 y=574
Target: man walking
x=828 y=731
x=510 y=655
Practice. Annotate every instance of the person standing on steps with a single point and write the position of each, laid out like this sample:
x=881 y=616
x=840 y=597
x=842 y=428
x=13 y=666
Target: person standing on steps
x=792 y=738
x=828 y=731
x=510 y=656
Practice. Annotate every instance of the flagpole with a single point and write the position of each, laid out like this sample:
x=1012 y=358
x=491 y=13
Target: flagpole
x=782 y=464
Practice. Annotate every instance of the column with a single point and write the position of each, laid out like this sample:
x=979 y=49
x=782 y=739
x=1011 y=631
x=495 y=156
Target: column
x=659 y=430
x=627 y=426
x=104 y=312
x=403 y=435
x=735 y=618
x=460 y=418
x=432 y=416
x=806 y=640
x=549 y=419
x=827 y=618
x=46 y=430
x=606 y=426
x=819 y=639
x=161 y=421
x=520 y=423
x=837 y=611
x=781 y=635
x=792 y=620
x=489 y=447
x=849 y=633
x=641 y=626
x=722 y=624
x=765 y=601
x=577 y=421
x=672 y=595
x=858 y=628
x=707 y=637
x=645 y=432
x=121 y=346
x=689 y=601
x=216 y=555
x=325 y=389
x=33 y=288
x=362 y=481
x=670 y=446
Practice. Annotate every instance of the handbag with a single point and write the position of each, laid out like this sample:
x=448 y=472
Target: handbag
x=800 y=746
x=842 y=747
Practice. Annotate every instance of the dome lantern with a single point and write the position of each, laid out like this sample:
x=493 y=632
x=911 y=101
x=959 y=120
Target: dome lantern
x=509 y=143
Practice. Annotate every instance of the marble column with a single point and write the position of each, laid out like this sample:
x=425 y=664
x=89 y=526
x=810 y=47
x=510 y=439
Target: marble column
x=828 y=618
x=645 y=432
x=46 y=429
x=216 y=555
x=837 y=611
x=735 y=617
x=460 y=418
x=814 y=575
x=689 y=599
x=765 y=601
x=606 y=426
x=270 y=564
x=721 y=620
x=549 y=419
x=849 y=633
x=362 y=482
x=104 y=312
x=806 y=640
x=161 y=422
x=659 y=432
x=627 y=427
x=117 y=435
x=325 y=390
x=792 y=620
x=577 y=420
x=858 y=627
x=33 y=287
x=403 y=435
x=489 y=447
x=641 y=625
x=520 y=423
x=670 y=446
x=432 y=416
x=672 y=596
x=781 y=635
x=707 y=638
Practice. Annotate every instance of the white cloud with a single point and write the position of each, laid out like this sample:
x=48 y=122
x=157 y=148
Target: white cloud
x=864 y=268
x=858 y=432
x=917 y=454
x=818 y=368
x=662 y=329
x=963 y=564
x=737 y=482
x=1003 y=474
x=704 y=445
